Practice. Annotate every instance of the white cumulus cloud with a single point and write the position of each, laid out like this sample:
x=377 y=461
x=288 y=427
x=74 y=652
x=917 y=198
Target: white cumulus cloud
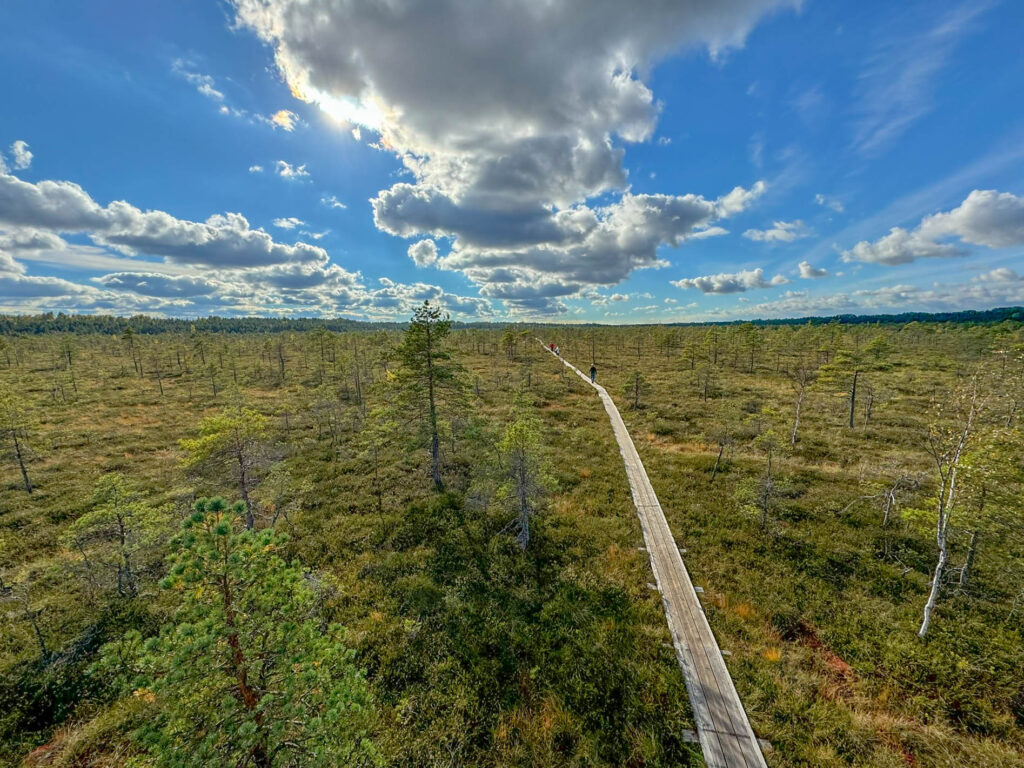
x=423 y=253
x=509 y=132
x=285 y=119
x=808 y=272
x=288 y=171
x=21 y=157
x=986 y=217
x=735 y=282
x=221 y=240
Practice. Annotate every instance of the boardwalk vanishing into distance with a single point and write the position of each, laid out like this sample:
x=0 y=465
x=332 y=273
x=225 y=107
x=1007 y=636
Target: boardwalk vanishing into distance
x=725 y=735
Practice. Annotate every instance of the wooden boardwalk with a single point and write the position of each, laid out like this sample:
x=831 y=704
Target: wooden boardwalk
x=723 y=729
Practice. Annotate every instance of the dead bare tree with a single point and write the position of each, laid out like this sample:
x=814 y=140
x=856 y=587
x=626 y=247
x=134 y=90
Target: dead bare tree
x=724 y=441
x=946 y=447
x=800 y=379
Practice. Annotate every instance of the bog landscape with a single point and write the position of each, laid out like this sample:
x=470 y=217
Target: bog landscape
x=511 y=384
x=491 y=604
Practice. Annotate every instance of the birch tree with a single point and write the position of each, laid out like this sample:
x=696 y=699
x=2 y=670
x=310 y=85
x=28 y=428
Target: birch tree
x=946 y=445
x=800 y=379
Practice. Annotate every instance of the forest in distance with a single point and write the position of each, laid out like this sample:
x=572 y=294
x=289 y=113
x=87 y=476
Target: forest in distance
x=298 y=543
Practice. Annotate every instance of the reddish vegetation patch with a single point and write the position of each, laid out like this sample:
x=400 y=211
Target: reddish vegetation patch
x=844 y=675
x=39 y=755
x=832 y=660
x=894 y=744
x=670 y=445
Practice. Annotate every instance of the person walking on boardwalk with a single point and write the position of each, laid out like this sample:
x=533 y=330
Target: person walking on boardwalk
x=593 y=373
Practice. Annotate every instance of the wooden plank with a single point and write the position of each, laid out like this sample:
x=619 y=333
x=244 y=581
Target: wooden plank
x=723 y=729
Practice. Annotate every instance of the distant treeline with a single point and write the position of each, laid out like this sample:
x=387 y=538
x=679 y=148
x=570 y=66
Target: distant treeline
x=109 y=324
x=970 y=316
x=998 y=315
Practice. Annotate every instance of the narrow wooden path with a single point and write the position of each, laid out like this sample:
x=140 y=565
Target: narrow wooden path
x=726 y=737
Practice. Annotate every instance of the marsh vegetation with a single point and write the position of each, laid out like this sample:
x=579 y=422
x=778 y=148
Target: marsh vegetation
x=417 y=547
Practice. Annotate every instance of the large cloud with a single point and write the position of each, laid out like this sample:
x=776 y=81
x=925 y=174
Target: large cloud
x=223 y=240
x=156 y=284
x=509 y=115
x=900 y=247
x=986 y=217
x=553 y=253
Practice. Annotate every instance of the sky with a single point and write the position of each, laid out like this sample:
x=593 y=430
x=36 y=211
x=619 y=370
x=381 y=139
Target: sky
x=559 y=160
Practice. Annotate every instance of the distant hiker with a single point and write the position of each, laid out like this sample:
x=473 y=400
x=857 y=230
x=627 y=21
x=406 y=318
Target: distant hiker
x=552 y=345
x=593 y=373
x=558 y=351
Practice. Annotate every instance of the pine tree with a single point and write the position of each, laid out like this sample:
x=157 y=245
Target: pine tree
x=233 y=439
x=526 y=473
x=245 y=675
x=427 y=375
x=116 y=536
x=636 y=385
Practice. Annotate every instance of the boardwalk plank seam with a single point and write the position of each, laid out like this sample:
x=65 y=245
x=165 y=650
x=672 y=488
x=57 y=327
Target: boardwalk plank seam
x=723 y=729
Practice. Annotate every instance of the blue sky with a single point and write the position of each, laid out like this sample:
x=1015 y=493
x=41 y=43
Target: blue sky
x=573 y=160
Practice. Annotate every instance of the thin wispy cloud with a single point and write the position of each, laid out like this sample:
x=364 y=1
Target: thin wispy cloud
x=332 y=202
x=899 y=77
x=204 y=84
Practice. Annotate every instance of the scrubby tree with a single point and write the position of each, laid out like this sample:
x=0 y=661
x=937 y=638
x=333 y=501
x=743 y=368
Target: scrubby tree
x=843 y=372
x=766 y=487
x=128 y=337
x=510 y=339
x=636 y=385
x=426 y=372
x=526 y=473
x=234 y=440
x=991 y=513
x=895 y=482
x=21 y=596
x=117 y=536
x=724 y=441
x=246 y=674
x=706 y=377
x=14 y=426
